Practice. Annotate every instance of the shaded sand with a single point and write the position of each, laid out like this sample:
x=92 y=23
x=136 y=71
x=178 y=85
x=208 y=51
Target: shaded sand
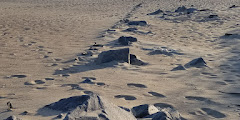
x=48 y=51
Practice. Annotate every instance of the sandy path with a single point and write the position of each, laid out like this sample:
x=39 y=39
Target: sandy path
x=41 y=38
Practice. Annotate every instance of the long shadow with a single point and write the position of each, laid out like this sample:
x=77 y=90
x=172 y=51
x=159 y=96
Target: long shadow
x=83 y=68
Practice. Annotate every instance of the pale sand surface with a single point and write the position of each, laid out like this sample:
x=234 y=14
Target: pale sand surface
x=41 y=39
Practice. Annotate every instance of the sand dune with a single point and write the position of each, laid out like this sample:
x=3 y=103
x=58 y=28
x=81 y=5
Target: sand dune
x=48 y=52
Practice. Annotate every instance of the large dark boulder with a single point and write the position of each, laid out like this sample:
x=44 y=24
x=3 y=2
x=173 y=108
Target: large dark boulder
x=123 y=40
x=113 y=55
x=121 y=55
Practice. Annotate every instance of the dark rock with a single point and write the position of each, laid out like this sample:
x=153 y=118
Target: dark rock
x=181 y=9
x=156 y=12
x=142 y=111
x=113 y=55
x=124 y=21
x=233 y=6
x=121 y=55
x=124 y=108
x=24 y=113
x=204 y=10
x=126 y=40
x=12 y=118
x=87 y=53
x=228 y=34
x=97 y=45
x=185 y=10
x=165 y=114
x=130 y=29
x=198 y=62
x=88 y=81
x=179 y=67
x=135 y=61
x=97 y=108
x=140 y=23
x=60 y=116
x=18 y=76
x=213 y=16
x=100 y=83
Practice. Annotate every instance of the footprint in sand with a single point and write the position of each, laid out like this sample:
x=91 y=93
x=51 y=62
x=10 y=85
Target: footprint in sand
x=221 y=83
x=73 y=86
x=91 y=78
x=203 y=99
x=39 y=81
x=156 y=94
x=136 y=85
x=101 y=83
x=214 y=113
x=64 y=75
x=34 y=82
x=126 y=97
x=52 y=65
x=88 y=92
x=17 y=76
x=2 y=97
x=163 y=105
x=49 y=79
x=57 y=59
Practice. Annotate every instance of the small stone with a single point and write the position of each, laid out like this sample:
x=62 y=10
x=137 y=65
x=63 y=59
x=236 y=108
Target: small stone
x=213 y=16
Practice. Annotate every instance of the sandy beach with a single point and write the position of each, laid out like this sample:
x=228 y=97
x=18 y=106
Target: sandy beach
x=187 y=55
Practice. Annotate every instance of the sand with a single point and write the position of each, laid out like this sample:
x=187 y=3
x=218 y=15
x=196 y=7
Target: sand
x=40 y=40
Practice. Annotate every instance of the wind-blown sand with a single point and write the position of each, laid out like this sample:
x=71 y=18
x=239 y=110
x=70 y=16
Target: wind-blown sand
x=40 y=39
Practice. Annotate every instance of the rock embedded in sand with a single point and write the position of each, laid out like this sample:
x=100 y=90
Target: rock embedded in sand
x=123 y=40
x=113 y=55
x=179 y=67
x=185 y=10
x=12 y=118
x=130 y=29
x=198 y=62
x=142 y=111
x=165 y=114
x=139 y=23
x=135 y=61
x=121 y=55
x=213 y=16
x=155 y=12
x=94 y=107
